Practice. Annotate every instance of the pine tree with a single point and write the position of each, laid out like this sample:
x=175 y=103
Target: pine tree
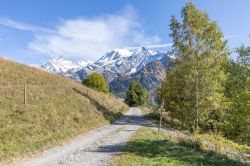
x=136 y=95
x=195 y=79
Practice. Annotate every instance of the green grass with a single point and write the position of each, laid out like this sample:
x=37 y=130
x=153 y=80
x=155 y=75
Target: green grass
x=57 y=109
x=209 y=140
x=148 y=148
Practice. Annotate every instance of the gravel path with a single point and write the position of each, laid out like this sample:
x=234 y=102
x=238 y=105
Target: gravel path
x=95 y=148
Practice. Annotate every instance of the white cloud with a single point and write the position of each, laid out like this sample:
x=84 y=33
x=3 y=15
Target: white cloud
x=22 y=26
x=152 y=46
x=227 y=37
x=90 y=38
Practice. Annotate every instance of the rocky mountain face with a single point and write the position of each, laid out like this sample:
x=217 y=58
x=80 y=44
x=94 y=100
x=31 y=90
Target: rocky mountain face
x=119 y=68
x=150 y=76
x=120 y=62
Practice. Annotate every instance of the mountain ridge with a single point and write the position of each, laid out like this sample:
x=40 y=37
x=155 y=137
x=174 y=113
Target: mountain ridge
x=117 y=61
x=62 y=65
x=116 y=65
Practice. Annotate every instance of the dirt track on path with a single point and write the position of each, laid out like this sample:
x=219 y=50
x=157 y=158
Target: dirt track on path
x=96 y=148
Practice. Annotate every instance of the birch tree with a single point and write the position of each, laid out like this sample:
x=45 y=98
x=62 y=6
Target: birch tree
x=193 y=90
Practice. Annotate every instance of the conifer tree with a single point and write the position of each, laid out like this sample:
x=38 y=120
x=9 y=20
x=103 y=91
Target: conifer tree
x=136 y=95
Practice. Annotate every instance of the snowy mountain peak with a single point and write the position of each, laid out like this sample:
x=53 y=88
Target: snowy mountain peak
x=113 y=64
x=143 y=49
x=115 y=54
x=61 y=65
x=123 y=61
x=123 y=52
x=142 y=52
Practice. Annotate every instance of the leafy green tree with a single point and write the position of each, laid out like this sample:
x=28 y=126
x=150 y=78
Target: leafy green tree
x=193 y=89
x=238 y=94
x=136 y=95
x=97 y=82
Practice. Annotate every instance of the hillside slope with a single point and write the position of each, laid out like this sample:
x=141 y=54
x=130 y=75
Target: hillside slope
x=56 y=108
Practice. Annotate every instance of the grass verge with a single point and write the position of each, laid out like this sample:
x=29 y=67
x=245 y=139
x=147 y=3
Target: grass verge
x=211 y=140
x=148 y=147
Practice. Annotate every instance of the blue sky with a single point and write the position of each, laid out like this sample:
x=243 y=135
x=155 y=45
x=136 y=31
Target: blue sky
x=31 y=31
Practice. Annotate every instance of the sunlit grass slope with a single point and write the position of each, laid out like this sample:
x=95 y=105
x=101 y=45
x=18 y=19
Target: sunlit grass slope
x=148 y=147
x=56 y=109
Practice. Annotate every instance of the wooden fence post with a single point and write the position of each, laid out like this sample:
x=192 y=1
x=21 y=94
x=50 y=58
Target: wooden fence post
x=161 y=109
x=66 y=94
x=24 y=94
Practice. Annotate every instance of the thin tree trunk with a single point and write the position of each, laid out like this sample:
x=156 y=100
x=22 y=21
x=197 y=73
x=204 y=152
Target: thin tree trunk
x=161 y=109
x=24 y=95
x=160 y=121
x=197 y=97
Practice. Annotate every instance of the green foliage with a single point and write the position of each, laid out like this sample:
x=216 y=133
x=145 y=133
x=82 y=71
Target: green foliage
x=203 y=89
x=96 y=81
x=136 y=95
x=238 y=94
x=193 y=90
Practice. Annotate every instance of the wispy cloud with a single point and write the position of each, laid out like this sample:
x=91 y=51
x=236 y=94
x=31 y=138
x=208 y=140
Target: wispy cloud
x=151 y=46
x=88 y=38
x=22 y=26
x=92 y=37
x=227 y=37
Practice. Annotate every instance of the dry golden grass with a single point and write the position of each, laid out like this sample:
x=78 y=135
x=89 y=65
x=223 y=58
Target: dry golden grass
x=56 y=109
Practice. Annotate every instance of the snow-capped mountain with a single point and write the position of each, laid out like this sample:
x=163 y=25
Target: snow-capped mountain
x=122 y=62
x=113 y=64
x=61 y=65
x=150 y=76
x=119 y=67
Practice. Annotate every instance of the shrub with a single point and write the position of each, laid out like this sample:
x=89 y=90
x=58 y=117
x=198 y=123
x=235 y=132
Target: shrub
x=96 y=81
